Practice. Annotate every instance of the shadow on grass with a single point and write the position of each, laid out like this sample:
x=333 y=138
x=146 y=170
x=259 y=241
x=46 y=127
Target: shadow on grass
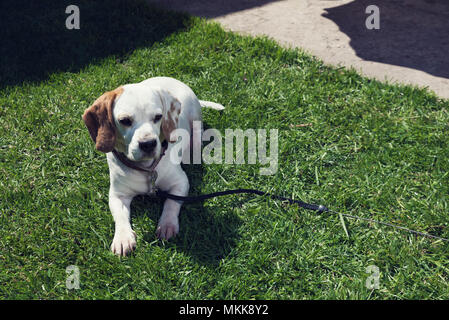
x=204 y=235
x=36 y=42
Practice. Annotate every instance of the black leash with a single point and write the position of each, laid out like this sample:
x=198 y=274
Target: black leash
x=308 y=206
x=304 y=205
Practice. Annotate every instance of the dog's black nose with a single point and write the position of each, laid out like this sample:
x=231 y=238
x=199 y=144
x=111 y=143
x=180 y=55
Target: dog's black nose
x=148 y=146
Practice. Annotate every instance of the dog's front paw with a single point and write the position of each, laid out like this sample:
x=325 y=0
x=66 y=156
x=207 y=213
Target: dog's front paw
x=124 y=242
x=168 y=227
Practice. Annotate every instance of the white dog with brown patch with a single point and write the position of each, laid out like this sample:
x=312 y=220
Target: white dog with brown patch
x=132 y=125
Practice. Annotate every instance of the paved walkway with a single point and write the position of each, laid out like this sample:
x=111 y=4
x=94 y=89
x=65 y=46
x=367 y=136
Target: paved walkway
x=411 y=46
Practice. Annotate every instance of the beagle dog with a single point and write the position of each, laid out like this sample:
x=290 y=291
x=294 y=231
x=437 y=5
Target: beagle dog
x=133 y=125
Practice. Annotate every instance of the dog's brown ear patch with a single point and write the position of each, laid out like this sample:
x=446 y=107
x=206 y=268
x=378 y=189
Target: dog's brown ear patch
x=170 y=119
x=171 y=109
x=100 y=122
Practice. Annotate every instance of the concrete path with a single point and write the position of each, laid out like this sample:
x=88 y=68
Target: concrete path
x=411 y=46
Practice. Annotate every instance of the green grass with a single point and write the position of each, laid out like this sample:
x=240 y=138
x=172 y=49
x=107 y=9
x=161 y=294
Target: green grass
x=369 y=149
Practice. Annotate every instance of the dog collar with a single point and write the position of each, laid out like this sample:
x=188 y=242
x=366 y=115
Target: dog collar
x=150 y=170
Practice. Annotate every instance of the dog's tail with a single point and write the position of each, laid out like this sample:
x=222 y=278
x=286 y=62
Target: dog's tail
x=212 y=105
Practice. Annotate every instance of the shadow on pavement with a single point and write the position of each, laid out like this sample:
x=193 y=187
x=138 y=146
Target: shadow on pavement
x=412 y=34
x=211 y=8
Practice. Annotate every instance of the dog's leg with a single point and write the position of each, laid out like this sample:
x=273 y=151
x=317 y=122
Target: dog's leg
x=124 y=238
x=168 y=225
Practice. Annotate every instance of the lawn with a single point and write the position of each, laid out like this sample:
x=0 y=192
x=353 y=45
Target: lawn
x=356 y=145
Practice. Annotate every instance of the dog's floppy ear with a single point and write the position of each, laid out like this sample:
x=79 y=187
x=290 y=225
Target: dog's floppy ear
x=100 y=122
x=171 y=110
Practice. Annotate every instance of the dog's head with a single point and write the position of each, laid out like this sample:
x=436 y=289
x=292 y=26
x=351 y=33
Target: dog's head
x=133 y=120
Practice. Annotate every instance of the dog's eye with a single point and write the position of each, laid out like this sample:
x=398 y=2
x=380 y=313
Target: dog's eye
x=157 y=118
x=126 y=122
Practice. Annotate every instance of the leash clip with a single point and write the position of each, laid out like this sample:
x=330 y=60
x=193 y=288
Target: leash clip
x=152 y=183
x=322 y=208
